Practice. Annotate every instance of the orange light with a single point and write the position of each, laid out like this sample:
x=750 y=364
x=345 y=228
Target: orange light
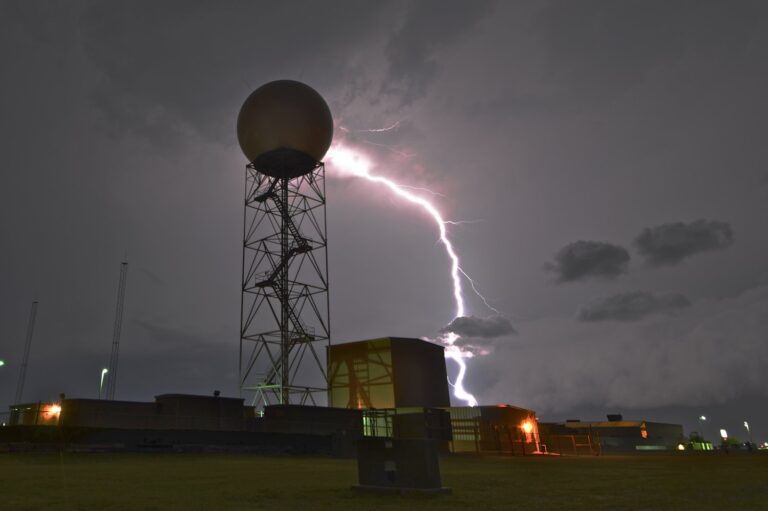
x=643 y=433
x=527 y=427
x=53 y=410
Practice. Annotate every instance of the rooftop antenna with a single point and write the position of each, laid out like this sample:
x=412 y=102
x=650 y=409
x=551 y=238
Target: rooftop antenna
x=27 y=346
x=113 y=358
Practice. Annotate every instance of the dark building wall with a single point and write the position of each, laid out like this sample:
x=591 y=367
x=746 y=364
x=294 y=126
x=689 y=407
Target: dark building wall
x=314 y=420
x=169 y=411
x=622 y=436
x=420 y=375
x=143 y=440
x=107 y=414
x=668 y=435
x=500 y=428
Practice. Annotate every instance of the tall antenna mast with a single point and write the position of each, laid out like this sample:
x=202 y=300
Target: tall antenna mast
x=27 y=346
x=113 y=358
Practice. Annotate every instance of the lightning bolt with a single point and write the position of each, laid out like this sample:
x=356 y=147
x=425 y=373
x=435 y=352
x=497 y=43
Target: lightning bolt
x=394 y=126
x=348 y=161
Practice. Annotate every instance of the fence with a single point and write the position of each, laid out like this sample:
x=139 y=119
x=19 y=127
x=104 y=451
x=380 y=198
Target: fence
x=571 y=445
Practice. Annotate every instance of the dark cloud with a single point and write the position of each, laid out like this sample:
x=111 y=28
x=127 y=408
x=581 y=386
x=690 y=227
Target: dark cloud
x=428 y=26
x=132 y=146
x=484 y=328
x=173 y=67
x=632 y=306
x=585 y=259
x=713 y=353
x=669 y=244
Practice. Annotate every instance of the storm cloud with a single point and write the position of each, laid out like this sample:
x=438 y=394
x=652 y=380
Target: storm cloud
x=670 y=244
x=632 y=306
x=584 y=259
x=484 y=328
x=552 y=122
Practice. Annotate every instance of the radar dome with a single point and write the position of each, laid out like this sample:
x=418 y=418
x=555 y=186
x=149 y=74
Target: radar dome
x=284 y=128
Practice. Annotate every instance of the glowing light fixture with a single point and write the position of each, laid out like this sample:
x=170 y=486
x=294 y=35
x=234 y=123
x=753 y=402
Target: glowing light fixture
x=527 y=426
x=2 y=363
x=723 y=434
x=52 y=411
x=680 y=447
x=101 y=382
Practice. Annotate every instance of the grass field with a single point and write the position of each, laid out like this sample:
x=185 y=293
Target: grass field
x=245 y=482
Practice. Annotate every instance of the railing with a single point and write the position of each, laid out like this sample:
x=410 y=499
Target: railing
x=378 y=422
x=571 y=445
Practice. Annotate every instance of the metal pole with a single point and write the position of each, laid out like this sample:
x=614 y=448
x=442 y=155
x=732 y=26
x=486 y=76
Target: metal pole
x=701 y=420
x=25 y=360
x=113 y=359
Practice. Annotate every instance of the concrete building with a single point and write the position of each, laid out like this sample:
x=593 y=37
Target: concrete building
x=168 y=411
x=401 y=384
x=618 y=435
x=183 y=422
x=389 y=372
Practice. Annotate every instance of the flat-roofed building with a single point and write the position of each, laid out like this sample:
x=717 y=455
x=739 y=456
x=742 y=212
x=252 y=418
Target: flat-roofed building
x=617 y=434
x=389 y=372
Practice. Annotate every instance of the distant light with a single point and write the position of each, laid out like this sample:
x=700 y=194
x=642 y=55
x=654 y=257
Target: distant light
x=54 y=409
x=2 y=363
x=527 y=426
x=680 y=447
x=746 y=425
x=723 y=434
x=702 y=418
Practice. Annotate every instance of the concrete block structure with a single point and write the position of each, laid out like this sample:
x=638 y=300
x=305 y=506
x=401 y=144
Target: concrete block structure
x=389 y=372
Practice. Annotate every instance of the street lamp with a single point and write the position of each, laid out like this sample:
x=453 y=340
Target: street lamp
x=702 y=418
x=2 y=363
x=746 y=426
x=101 y=382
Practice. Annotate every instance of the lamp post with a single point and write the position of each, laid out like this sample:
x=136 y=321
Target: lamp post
x=101 y=382
x=746 y=426
x=702 y=418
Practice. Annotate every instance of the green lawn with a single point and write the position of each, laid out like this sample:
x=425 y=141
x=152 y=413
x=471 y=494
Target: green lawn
x=247 y=482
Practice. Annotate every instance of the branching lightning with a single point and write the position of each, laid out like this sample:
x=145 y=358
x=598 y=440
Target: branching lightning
x=390 y=148
x=348 y=161
x=394 y=126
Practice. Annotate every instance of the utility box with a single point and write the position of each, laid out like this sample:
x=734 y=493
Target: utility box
x=398 y=465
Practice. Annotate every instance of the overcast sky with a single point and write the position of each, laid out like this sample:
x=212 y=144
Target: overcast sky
x=612 y=153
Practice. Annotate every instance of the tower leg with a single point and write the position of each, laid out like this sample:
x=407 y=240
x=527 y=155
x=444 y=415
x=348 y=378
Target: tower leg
x=284 y=322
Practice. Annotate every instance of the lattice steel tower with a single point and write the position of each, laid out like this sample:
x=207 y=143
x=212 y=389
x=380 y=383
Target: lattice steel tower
x=284 y=129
